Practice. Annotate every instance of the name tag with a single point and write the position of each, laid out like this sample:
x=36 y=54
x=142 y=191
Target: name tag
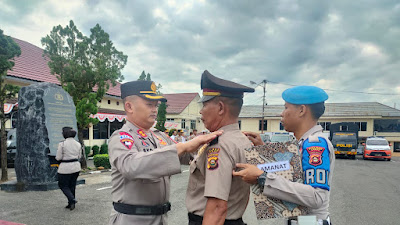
x=275 y=166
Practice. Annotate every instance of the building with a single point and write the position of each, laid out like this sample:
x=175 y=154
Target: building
x=373 y=118
x=32 y=67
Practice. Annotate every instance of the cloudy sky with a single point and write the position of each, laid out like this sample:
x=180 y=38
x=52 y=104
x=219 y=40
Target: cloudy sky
x=349 y=48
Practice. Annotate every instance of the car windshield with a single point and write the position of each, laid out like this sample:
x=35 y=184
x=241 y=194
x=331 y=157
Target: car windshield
x=377 y=142
x=280 y=138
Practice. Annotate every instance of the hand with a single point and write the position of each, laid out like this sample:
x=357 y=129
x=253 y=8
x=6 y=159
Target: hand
x=194 y=144
x=249 y=173
x=254 y=137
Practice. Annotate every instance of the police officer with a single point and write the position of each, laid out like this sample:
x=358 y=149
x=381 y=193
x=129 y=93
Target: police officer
x=213 y=195
x=142 y=159
x=304 y=105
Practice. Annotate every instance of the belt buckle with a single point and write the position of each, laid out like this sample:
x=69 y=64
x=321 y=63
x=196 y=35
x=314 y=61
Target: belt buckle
x=166 y=207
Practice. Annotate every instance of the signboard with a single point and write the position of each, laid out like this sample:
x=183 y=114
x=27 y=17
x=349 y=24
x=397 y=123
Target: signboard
x=59 y=111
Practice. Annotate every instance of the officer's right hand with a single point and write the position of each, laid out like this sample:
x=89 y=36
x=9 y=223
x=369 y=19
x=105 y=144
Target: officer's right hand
x=253 y=137
x=195 y=143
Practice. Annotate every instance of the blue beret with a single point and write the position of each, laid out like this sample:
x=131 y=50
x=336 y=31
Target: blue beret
x=304 y=95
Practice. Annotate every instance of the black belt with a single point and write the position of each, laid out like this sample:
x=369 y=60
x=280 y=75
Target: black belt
x=142 y=209
x=70 y=160
x=199 y=219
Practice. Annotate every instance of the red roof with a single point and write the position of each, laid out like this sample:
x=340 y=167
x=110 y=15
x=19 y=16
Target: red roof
x=32 y=65
x=178 y=102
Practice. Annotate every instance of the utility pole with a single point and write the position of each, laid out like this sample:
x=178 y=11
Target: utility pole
x=263 y=108
x=264 y=82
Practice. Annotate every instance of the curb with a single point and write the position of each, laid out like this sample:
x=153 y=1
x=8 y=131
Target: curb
x=96 y=171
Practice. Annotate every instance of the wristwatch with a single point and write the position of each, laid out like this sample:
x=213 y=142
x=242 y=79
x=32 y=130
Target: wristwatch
x=261 y=180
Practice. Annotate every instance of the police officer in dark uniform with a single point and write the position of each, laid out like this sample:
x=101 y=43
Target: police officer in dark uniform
x=142 y=159
x=304 y=105
x=213 y=195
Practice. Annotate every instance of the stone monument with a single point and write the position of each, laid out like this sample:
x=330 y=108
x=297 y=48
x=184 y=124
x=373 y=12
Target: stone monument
x=43 y=110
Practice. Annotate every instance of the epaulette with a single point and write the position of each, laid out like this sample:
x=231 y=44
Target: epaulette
x=215 y=141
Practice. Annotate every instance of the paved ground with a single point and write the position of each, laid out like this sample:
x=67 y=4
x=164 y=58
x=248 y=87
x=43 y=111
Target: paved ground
x=363 y=192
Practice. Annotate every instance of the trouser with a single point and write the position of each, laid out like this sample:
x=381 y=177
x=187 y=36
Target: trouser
x=293 y=221
x=198 y=220
x=67 y=184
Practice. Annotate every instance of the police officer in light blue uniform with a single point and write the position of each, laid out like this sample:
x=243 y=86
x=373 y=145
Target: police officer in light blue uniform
x=304 y=105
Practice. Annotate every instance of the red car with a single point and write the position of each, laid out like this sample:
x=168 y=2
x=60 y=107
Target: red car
x=377 y=148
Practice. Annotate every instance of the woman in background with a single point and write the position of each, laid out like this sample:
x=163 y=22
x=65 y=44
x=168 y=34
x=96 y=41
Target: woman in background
x=68 y=153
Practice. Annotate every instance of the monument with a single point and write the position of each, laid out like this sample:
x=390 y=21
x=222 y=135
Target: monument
x=43 y=110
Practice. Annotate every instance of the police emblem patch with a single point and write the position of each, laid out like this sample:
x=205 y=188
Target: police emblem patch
x=315 y=153
x=212 y=158
x=126 y=139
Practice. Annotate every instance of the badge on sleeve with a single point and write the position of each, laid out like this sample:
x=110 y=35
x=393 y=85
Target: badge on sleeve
x=212 y=158
x=126 y=139
x=141 y=133
x=315 y=153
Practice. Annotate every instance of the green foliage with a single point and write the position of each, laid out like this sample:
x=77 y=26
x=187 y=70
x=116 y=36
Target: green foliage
x=8 y=50
x=102 y=160
x=104 y=149
x=95 y=150
x=83 y=63
x=161 y=116
x=87 y=150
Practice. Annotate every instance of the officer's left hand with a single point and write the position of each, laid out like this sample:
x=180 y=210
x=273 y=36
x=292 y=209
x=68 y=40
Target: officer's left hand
x=249 y=173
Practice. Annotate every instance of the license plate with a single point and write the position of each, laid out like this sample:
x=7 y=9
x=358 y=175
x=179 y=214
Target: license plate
x=378 y=154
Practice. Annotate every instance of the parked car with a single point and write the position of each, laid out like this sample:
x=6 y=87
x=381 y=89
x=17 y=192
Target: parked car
x=377 y=148
x=11 y=147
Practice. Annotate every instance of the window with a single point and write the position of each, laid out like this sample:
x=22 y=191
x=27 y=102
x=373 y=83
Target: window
x=396 y=147
x=344 y=128
x=183 y=124
x=325 y=125
x=259 y=124
x=100 y=130
x=240 y=124
x=193 y=124
x=281 y=126
x=109 y=101
x=117 y=103
x=362 y=126
x=387 y=125
x=170 y=120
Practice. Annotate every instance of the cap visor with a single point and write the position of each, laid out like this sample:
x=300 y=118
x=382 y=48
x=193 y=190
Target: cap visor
x=206 y=98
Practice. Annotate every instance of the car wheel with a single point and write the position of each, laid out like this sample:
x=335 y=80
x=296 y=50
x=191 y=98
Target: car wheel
x=389 y=159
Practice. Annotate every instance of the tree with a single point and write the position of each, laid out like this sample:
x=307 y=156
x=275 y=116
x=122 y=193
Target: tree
x=8 y=50
x=83 y=64
x=162 y=108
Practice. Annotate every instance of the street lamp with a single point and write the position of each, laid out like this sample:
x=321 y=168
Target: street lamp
x=264 y=82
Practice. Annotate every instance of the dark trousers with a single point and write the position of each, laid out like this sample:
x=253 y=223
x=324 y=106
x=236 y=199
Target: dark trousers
x=67 y=184
x=198 y=220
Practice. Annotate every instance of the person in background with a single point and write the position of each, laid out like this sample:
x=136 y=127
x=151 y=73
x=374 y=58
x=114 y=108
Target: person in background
x=174 y=134
x=68 y=153
x=304 y=105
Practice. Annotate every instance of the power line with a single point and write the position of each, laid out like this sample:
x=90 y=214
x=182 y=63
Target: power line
x=327 y=89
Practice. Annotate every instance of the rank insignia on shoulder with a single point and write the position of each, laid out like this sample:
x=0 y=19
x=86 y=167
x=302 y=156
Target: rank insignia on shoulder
x=141 y=133
x=315 y=153
x=212 y=158
x=126 y=139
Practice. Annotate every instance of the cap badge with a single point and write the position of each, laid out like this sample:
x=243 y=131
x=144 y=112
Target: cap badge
x=153 y=87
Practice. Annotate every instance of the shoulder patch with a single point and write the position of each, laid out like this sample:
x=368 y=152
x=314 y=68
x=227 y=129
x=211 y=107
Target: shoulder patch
x=315 y=153
x=212 y=158
x=126 y=139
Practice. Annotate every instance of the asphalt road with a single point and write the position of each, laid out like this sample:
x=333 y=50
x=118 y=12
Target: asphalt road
x=363 y=192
